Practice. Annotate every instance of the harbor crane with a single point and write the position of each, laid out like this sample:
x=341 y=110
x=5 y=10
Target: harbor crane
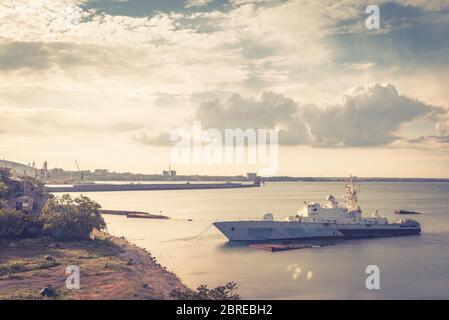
x=79 y=170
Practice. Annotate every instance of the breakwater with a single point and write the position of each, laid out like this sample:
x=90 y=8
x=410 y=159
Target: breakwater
x=148 y=187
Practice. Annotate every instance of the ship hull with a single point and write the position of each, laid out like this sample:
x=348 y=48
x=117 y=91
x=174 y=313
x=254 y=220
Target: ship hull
x=275 y=230
x=280 y=230
x=376 y=231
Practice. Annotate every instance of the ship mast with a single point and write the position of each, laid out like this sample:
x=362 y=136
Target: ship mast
x=350 y=196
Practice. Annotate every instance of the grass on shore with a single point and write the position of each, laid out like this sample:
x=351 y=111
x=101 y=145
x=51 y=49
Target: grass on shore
x=110 y=268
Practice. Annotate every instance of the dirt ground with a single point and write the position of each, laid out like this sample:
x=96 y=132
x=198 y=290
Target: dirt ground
x=110 y=268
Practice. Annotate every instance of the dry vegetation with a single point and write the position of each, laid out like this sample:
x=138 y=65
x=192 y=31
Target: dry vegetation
x=111 y=268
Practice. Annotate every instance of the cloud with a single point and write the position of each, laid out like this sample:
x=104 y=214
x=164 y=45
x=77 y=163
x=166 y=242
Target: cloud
x=434 y=142
x=411 y=34
x=242 y=2
x=35 y=56
x=159 y=139
x=23 y=55
x=364 y=116
x=27 y=121
x=113 y=64
x=361 y=117
x=168 y=100
x=247 y=47
x=268 y=111
x=36 y=121
x=236 y=112
x=197 y=3
x=431 y=139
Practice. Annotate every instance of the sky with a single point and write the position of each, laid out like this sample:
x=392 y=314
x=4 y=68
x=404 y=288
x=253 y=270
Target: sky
x=105 y=82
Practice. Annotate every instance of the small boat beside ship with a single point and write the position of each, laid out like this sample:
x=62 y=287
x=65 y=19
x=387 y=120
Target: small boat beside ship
x=398 y=211
x=316 y=221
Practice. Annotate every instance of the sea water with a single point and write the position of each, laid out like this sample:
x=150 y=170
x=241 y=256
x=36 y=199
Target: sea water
x=410 y=267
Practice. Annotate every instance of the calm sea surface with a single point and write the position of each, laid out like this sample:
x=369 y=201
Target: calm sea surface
x=410 y=267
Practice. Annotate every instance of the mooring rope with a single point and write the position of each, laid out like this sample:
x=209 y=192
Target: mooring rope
x=199 y=235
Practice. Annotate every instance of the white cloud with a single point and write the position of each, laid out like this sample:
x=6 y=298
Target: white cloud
x=361 y=117
x=265 y=111
x=197 y=3
x=104 y=68
x=158 y=139
x=42 y=121
x=248 y=48
x=364 y=116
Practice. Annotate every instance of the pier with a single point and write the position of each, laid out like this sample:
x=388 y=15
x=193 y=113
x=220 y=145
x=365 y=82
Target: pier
x=149 y=187
x=134 y=214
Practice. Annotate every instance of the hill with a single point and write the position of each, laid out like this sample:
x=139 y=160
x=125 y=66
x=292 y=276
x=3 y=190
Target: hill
x=18 y=169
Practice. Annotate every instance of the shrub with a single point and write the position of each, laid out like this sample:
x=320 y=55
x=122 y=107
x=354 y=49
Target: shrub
x=226 y=292
x=5 y=178
x=12 y=267
x=3 y=190
x=12 y=224
x=66 y=218
x=33 y=227
x=5 y=174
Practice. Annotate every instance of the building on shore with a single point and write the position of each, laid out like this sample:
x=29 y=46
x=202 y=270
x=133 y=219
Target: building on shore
x=168 y=174
x=22 y=194
x=252 y=176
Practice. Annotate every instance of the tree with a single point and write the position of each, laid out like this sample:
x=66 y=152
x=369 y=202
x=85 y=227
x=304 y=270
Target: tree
x=66 y=218
x=5 y=179
x=12 y=224
x=5 y=174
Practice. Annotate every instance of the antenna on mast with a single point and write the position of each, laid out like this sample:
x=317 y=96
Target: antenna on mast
x=351 y=198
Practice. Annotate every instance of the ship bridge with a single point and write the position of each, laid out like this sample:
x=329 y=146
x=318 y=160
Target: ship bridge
x=330 y=210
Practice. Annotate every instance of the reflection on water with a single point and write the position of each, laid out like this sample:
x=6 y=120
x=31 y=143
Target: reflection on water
x=410 y=267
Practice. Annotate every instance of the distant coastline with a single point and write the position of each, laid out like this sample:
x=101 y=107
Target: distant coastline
x=106 y=175
x=359 y=179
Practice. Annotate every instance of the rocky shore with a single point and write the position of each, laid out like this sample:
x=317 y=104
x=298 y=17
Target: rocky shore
x=110 y=268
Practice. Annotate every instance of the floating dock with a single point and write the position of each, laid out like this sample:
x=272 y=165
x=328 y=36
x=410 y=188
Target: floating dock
x=148 y=187
x=284 y=247
x=134 y=214
x=145 y=216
